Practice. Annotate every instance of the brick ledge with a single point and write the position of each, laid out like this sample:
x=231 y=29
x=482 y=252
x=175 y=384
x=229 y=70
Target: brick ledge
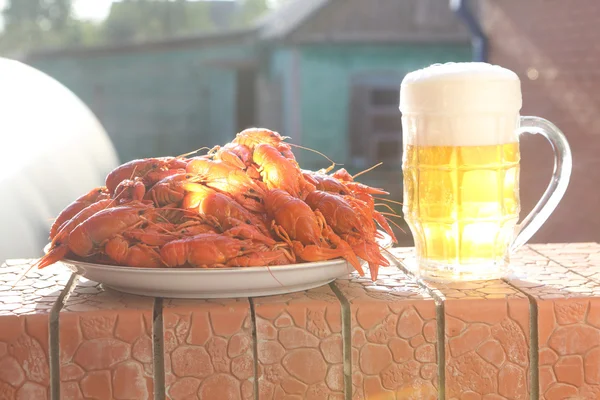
x=397 y=338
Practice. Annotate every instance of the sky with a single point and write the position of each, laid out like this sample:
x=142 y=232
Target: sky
x=85 y=9
x=91 y=9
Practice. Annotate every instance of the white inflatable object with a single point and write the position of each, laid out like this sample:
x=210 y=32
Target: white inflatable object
x=52 y=150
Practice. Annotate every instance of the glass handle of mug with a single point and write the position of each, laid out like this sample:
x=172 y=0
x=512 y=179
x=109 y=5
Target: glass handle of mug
x=563 y=164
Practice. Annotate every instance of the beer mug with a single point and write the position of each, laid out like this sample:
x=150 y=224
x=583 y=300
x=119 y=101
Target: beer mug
x=461 y=128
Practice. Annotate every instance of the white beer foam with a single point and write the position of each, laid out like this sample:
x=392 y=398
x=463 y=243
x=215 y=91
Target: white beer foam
x=460 y=104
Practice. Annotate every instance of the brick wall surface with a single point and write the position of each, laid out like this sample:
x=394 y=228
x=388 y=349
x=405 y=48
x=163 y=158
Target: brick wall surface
x=533 y=335
x=554 y=47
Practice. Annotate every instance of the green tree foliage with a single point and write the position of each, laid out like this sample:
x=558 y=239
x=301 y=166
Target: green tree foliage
x=48 y=14
x=35 y=24
x=138 y=20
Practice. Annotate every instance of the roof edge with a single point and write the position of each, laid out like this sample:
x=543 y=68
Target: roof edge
x=268 y=28
x=248 y=34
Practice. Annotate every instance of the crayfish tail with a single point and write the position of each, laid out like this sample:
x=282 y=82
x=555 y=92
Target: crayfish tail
x=53 y=256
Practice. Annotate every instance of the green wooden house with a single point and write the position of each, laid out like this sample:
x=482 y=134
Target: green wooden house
x=324 y=72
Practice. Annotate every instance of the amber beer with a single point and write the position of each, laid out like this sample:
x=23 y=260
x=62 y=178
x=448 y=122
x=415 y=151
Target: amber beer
x=462 y=202
x=461 y=167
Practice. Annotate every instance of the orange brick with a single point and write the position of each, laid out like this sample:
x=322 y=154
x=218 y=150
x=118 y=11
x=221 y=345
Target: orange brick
x=394 y=337
x=568 y=333
x=24 y=315
x=486 y=337
x=106 y=334
x=299 y=340
x=208 y=349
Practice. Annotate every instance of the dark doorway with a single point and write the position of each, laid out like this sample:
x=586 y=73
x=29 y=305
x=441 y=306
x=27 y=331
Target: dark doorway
x=246 y=98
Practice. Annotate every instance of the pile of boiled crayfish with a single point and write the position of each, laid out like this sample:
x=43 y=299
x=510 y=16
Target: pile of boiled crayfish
x=244 y=204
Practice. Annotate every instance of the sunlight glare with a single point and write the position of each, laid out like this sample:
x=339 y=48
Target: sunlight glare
x=94 y=10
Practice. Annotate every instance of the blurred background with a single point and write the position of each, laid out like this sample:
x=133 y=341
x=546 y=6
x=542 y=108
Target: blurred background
x=167 y=77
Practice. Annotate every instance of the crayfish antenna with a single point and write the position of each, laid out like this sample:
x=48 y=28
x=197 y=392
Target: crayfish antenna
x=399 y=264
x=193 y=152
x=333 y=163
x=393 y=223
x=157 y=225
x=53 y=256
x=391 y=215
x=386 y=206
x=20 y=278
x=169 y=207
x=384 y=222
x=133 y=172
x=269 y=266
x=367 y=170
x=273 y=276
x=388 y=200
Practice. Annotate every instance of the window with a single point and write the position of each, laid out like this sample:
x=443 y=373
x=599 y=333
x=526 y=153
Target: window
x=385 y=97
x=375 y=124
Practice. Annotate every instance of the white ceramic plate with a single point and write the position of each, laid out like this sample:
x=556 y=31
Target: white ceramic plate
x=213 y=283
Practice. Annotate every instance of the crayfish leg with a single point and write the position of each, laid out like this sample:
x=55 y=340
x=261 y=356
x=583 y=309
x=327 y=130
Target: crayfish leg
x=245 y=231
x=232 y=159
x=384 y=224
x=312 y=253
x=250 y=203
x=374 y=271
x=279 y=231
x=254 y=259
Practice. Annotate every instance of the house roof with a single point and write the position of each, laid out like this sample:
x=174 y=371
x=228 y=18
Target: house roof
x=287 y=18
x=204 y=39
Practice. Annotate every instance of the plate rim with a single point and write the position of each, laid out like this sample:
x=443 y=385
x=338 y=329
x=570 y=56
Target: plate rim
x=385 y=242
x=287 y=267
